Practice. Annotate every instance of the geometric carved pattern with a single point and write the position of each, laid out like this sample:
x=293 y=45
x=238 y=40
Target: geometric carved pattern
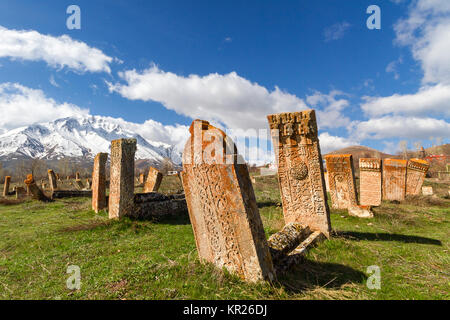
x=370 y=181
x=300 y=169
x=341 y=180
x=222 y=206
x=394 y=179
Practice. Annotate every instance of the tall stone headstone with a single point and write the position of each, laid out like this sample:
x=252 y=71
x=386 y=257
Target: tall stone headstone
x=99 y=182
x=394 y=179
x=300 y=169
x=6 y=186
x=121 y=188
x=222 y=206
x=370 y=181
x=34 y=189
x=153 y=181
x=341 y=180
x=52 y=180
x=415 y=175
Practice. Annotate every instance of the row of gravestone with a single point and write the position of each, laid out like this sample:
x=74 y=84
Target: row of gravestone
x=388 y=179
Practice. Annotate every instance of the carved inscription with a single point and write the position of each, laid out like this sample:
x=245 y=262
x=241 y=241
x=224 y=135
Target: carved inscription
x=415 y=175
x=370 y=181
x=394 y=179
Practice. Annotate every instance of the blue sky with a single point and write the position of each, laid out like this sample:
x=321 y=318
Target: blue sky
x=172 y=61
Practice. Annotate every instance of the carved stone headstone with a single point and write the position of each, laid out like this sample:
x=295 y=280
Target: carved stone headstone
x=6 y=186
x=121 y=189
x=394 y=179
x=415 y=175
x=99 y=182
x=34 y=189
x=77 y=176
x=20 y=192
x=153 y=181
x=300 y=169
x=222 y=206
x=52 y=180
x=370 y=181
x=141 y=178
x=341 y=180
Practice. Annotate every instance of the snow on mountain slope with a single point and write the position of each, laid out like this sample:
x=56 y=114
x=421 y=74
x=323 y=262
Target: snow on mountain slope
x=81 y=136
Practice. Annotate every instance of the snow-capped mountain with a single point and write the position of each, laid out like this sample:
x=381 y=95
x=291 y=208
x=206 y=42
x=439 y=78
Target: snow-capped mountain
x=81 y=137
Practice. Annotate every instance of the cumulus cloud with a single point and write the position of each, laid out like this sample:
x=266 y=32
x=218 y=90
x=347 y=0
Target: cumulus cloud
x=336 y=31
x=20 y=106
x=228 y=99
x=329 y=143
x=329 y=108
x=401 y=127
x=57 y=52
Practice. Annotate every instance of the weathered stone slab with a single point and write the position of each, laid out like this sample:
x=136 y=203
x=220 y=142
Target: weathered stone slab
x=300 y=169
x=427 y=191
x=341 y=180
x=77 y=176
x=88 y=184
x=121 y=192
x=415 y=175
x=222 y=206
x=34 y=189
x=60 y=194
x=394 y=179
x=78 y=184
x=286 y=240
x=6 y=186
x=370 y=182
x=153 y=181
x=327 y=183
x=99 y=182
x=156 y=205
x=360 y=211
x=52 y=180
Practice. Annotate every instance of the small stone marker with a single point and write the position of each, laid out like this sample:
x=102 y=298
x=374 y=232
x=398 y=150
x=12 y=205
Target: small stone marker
x=77 y=176
x=300 y=169
x=394 y=179
x=415 y=175
x=341 y=180
x=153 y=181
x=222 y=206
x=52 y=180
x=20 y=192
x=121 y=189
x=99 y=182
x=141 y=178
x=427 y=191
x=6 y=186
x=88 y=184
x=370 y=181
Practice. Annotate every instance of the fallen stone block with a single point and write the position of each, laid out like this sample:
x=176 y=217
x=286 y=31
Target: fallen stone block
x=286 y=240
x=360 y=211
x=156 y=205
x=60 y=194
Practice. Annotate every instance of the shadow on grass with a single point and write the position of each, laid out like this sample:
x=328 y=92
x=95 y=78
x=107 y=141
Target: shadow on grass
x=269 y=203
x=352 y=235
x=180 y=219
x=311 y=274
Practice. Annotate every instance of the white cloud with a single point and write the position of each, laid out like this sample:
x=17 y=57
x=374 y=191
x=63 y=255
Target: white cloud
x=427 y=101
x=53 y=81
x=329 y=143
x=392 y=67
x=229 y=99
x=20 y=106
x=330 y=114
x=57 y=52
x=336 y=31
x=401 y=127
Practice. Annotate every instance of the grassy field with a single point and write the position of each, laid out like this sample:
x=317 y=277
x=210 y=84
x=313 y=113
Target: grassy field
x=158 y=260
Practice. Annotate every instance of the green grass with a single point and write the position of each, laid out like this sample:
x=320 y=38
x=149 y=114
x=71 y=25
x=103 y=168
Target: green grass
x=158 y=260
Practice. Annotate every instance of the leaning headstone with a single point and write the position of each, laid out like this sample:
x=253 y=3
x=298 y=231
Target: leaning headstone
x=34 y=189
x=153 y=181
x=222 y=206
x=370 y=181
x=394 y=179
x=300 y=169
x=99 y=182
x=415 y=175
x=52 y=180
x=121 y=190
x=141 y=178
x=6 y=186
x=341 y=180
x=427 y=191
